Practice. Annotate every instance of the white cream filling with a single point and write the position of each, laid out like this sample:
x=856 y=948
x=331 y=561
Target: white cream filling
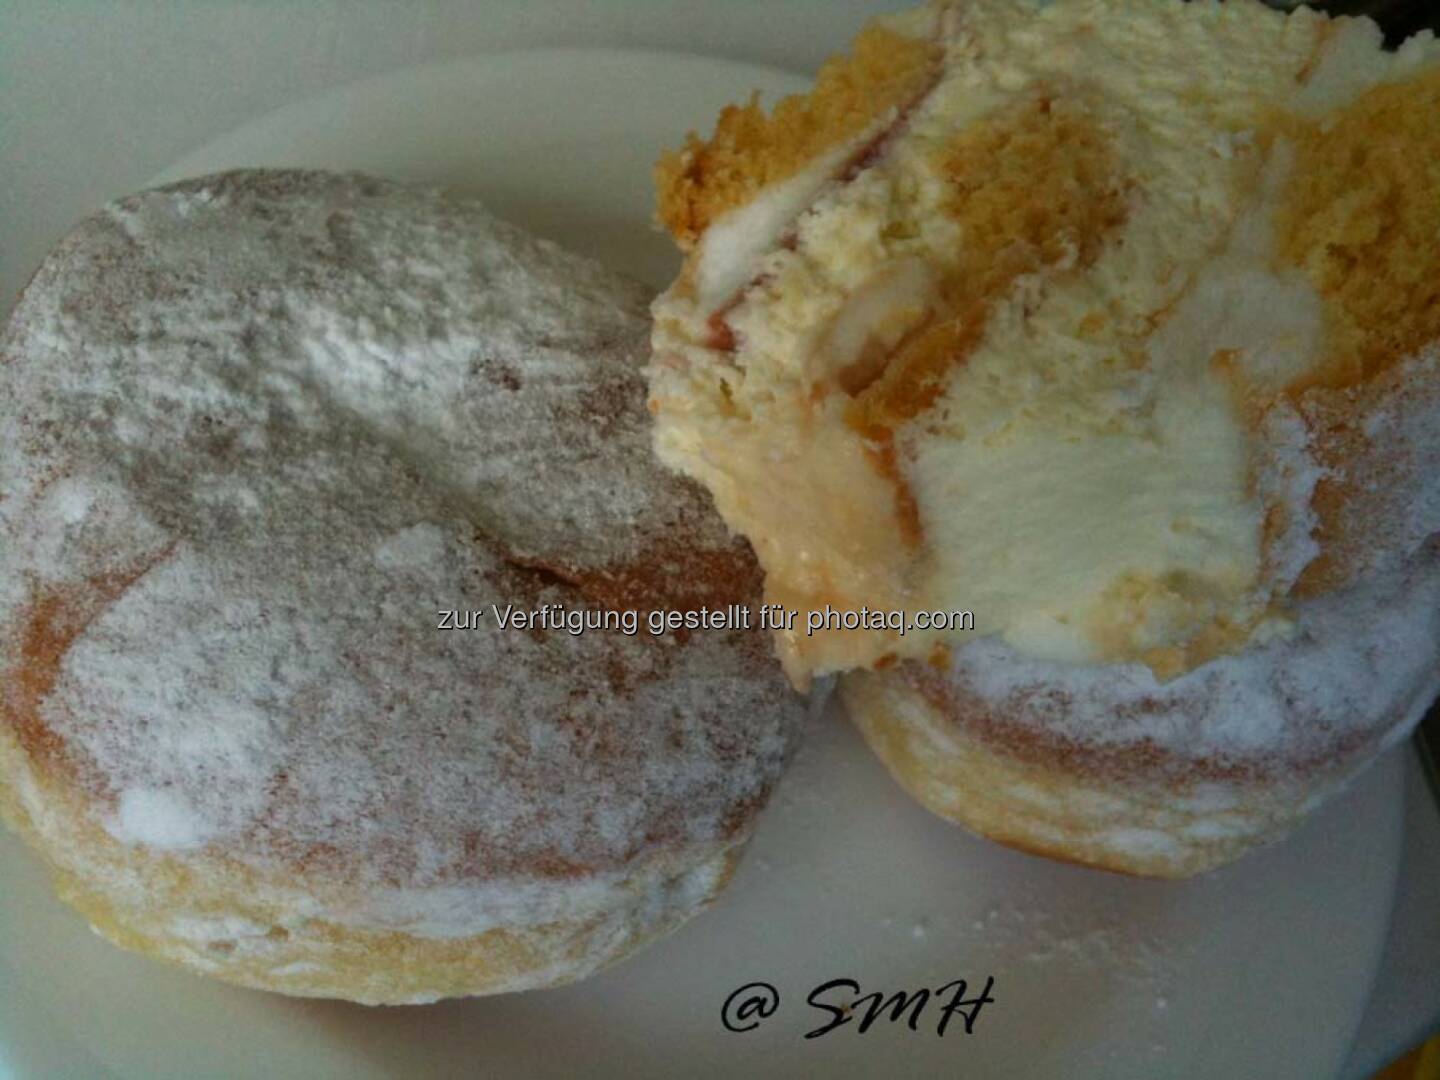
x=1351 y=62
x=1038 y=503
x=733 y=243
x=1030 y=525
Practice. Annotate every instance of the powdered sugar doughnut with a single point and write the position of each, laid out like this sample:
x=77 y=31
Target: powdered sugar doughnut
x=257 y=431
x=1114 y=324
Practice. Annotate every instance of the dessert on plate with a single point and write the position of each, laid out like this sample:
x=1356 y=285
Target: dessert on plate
x=259 y=432
x=1115 y=323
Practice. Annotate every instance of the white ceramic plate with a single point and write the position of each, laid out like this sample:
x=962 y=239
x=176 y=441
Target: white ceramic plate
x=1258 y=970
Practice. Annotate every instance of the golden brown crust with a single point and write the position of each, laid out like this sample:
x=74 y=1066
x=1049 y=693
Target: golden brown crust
x=749 y=150
x=52 y=622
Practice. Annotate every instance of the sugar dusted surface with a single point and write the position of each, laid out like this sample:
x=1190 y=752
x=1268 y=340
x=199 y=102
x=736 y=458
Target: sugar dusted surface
x=1356 y=671
x=295 y=415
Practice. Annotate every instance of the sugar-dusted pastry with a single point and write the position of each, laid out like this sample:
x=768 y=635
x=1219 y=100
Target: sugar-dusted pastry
x=271 y=445
x=1114 y=323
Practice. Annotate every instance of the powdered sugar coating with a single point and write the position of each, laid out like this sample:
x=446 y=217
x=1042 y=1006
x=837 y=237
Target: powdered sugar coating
x=1286 y=475
x=256 y=430
x=1378 y=443
x=1356 y=672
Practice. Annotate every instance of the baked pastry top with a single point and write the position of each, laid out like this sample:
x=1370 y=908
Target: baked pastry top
x=257 y=431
